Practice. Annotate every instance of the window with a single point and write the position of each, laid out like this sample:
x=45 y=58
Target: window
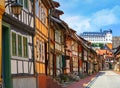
x=40 y=56
x=57 y=36
x=25 y=49
x=37 y=8
x=41 y=12
x=40 y=51
x=24 y=3
x=21 y=2
x=43 y=53
x=44 y=15
x=19 y=46
x=37 y=50
x=14 y=48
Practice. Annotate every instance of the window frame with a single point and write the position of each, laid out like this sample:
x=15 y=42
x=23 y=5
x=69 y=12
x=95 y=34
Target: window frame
x=41 y=12
x=40 y=50
x=21 y=45
x=13 y=45
x=22 y=2
x=17 y=56
x=25 y=56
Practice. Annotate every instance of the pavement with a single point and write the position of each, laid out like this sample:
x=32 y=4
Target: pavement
x=105 y=79
x=117 y=72
x=82 y=83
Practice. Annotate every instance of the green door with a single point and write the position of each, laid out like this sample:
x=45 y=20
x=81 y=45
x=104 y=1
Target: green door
x=6 y=68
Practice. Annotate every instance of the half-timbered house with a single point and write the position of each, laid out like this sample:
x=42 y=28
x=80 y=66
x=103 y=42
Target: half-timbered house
x=17 y=35
x=74 y=47
x=59 y=41
x=41 y=41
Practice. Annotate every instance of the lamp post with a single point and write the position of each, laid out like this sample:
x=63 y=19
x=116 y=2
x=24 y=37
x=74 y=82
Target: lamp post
x=16 y=8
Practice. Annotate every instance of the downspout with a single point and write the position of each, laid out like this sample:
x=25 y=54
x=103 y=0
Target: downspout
x=34 y=62
x=65 y=46
x=82 y=59
x=48 y=63
x=34 y=36
x=54 y=59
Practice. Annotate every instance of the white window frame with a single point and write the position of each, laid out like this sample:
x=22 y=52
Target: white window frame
x=17 y=57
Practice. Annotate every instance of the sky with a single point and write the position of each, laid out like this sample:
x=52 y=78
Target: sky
x=91 y=15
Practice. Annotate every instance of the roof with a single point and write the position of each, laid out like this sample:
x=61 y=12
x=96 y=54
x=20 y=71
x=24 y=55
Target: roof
x=103 y=51
x=99 y=34
x=60 y=12
x=117 y=51
x=72 y=30
x=92 y=34
x=56 y=20
x=61 y=22
x=56 y=4
x=109 y=45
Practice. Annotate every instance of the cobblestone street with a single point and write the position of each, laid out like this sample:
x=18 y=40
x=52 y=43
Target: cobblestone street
x=82 y=83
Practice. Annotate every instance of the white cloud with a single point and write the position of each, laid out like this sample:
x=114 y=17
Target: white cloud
x=104 y=17
x=78 y=22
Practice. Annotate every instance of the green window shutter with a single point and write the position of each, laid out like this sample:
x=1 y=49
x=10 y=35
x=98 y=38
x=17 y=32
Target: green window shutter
x=14 y=52
x=25 y=47
x=26 y=4
x=63 y=61
x=19 y=46
x=21 y=2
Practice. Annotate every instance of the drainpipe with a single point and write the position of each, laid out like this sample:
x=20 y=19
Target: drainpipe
x=34 y=61
x=54 y=59
x=65 y=51
x=48 y=64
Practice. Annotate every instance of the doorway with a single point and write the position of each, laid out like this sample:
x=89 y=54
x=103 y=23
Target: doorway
x=6 y=68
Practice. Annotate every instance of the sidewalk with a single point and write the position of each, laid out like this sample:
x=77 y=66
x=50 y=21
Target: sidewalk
x=82 y=83
x=118 y=72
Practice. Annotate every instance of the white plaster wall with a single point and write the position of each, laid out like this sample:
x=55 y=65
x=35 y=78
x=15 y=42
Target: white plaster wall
x=24 y=82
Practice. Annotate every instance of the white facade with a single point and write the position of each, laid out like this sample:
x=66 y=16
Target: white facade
x=98 y=37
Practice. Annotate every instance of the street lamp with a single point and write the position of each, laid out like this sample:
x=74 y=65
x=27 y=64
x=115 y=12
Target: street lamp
x=15 y=7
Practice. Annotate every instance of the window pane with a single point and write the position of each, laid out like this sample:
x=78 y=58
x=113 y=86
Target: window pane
x=43 y=53
x=21 y=2
x=40 y=51
x=26 y=4
x=37 y=50
x=19 y=46
x=25 y=47
x=14 y=44
x=37 y=8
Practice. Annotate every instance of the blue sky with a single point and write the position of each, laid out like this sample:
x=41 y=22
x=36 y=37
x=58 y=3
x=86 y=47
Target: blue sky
x=91 y=15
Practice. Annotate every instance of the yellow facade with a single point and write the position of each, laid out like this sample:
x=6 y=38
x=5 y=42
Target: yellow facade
x=41 y=37
x=2 y=9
